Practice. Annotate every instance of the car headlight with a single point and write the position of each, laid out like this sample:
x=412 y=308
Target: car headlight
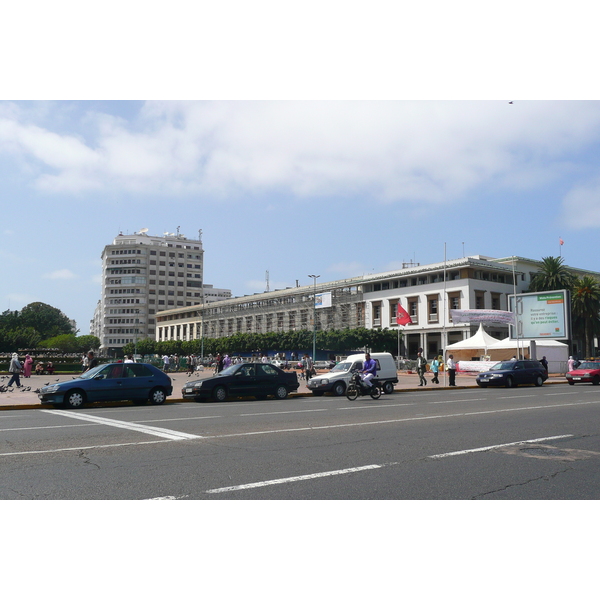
x=50 y=389
x=323 y=381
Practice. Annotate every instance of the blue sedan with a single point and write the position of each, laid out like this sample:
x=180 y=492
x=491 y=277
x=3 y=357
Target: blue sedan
x=138 y=382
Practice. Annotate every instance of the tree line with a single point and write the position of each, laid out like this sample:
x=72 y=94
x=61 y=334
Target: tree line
x=40 y=325
x=333 y=340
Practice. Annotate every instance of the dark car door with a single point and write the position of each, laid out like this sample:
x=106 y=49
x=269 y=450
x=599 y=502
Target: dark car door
x=107 y=384
x=138 y=381
x=520 y=373
x=267 y=379
x=243 y=381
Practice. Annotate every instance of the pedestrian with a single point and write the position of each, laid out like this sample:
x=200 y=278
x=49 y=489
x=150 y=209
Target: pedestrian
x=15 y=370
x=27 y=366
x=308 y=365
x=571 y=364
x=451 y=368
x=226 y=361
x=166 y=362
x=84 y=363
x=544 y=364
x=421 y=368
x=435 y=368
x=219 y=365
x=92 y=361
x=129 y=359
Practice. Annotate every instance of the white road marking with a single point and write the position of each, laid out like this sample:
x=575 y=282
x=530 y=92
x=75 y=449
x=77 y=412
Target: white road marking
x=158 y=431
x=168 y=497
x=258 y=484
x=462 y=400
x=486 y=448
x=360 y=407
x=248 y=486
x=283 y=412
x=83 y=448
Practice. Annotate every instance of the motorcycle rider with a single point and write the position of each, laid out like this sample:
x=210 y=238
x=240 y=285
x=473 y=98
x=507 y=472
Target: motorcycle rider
x=369 y=370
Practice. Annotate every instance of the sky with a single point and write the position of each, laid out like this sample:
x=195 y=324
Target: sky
x=337 y=188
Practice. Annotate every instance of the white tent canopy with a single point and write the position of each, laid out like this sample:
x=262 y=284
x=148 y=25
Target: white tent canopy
x=480 y=341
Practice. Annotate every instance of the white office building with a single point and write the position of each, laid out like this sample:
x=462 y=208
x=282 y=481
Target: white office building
x=427 y=292
x=144 y=274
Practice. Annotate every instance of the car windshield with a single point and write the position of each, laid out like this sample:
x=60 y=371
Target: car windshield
x=342 y=366
x=229 y=370
x=92 y=372
x=503 y=366
x=589 y=365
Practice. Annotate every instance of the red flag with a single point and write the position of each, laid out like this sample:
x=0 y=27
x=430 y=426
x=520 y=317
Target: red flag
x=402 y=317
x=560 y=241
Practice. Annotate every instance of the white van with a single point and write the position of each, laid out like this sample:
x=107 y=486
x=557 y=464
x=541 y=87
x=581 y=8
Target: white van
x=338 y=378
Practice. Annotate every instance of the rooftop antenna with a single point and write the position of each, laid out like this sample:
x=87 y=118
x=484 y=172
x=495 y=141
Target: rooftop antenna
x=267 y=278
x=144 y=230
x=200 y=235
x=178 y=228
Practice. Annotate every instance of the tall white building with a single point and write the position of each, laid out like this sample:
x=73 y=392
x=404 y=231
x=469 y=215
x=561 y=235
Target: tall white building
x=143 y=274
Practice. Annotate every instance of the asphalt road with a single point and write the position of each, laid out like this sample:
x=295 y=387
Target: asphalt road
x=523 y=443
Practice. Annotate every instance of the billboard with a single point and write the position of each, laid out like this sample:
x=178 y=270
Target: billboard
x=323 y=300
x=541 y=315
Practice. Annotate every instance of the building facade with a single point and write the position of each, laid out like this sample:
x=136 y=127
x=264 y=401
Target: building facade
x=141 y=275
x=427 y=292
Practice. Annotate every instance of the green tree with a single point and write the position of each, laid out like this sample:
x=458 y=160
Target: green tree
x=87 y=342
x=585 y=311
x=553 y=275
x=66 y=342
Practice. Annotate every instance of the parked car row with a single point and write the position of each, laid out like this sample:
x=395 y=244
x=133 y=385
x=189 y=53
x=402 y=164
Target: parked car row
x=143 y=383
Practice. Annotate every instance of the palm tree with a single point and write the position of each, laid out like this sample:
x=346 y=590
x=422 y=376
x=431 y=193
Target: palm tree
x=585 y=310
x=553 y=275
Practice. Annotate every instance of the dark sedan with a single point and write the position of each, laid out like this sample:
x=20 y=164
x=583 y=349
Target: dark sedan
x=586 y=372
x=247 y=379
x=139 y=382
x=511 y=373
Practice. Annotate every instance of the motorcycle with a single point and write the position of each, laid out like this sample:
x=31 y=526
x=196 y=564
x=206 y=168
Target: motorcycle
x=357 y=388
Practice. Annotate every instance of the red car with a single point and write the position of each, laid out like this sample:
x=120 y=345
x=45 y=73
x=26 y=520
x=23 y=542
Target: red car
x=586 y=372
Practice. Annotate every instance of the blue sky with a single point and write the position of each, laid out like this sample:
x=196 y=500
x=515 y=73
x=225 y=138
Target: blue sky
x=335 y=188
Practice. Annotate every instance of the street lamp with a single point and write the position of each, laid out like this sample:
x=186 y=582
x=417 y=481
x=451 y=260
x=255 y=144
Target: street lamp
x=315 y=277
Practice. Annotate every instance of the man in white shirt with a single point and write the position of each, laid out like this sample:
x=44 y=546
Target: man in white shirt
x=451 y=367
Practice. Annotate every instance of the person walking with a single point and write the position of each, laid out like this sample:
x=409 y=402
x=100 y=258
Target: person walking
x=15 y=369
x=92 y=361
x=421 y=368
x=451 y=368
x=544 y=364
x=435 y=368
x=27 y=366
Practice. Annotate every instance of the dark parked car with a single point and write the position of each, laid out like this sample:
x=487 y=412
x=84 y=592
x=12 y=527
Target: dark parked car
x=139 y=382
x=587 y=372
x=511 y=373
x=246 y=379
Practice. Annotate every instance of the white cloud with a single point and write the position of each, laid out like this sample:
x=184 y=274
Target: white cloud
x=60 y=274
x=389 y=151
x=581 y=206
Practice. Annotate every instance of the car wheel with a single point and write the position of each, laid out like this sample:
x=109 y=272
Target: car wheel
x=483 y=385
x=339 y=389
x=157 y=396
x=596 y=380
x=571 y=382
x=510 y=382
x=74 y=399
x=539 y=381
x=388 y=387
x=281 y=392
x=220 y=393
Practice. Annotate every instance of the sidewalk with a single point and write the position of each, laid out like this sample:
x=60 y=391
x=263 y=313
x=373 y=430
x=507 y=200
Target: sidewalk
x=19 y=399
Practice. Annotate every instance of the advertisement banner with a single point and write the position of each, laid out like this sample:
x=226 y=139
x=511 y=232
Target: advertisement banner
x=541 y=315
x=473 y=315
x=323 y=300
